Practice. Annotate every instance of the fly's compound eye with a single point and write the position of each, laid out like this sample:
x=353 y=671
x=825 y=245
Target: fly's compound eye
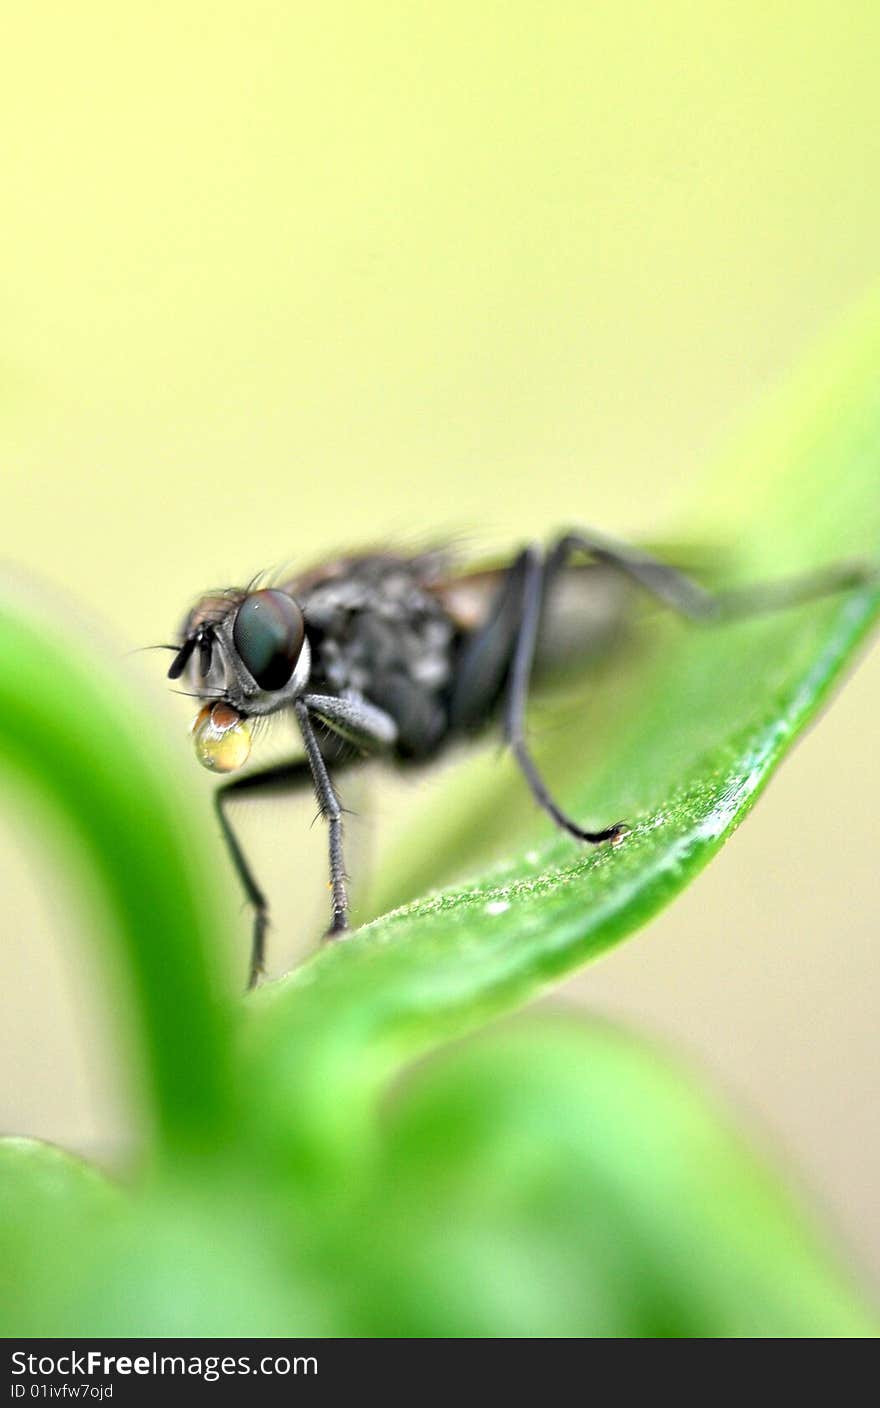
x=268 y=634
x=222 y=738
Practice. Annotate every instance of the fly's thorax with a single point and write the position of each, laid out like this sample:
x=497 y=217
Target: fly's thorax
x=379 y=634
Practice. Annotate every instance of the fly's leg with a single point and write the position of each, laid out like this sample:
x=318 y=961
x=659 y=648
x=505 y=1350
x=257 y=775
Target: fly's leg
x=686 y=597
x=360 y=722
x=354 y=718
x=331 y=810
x=284 y=777
x=483 y=666
x=676 y=590
x=363 y=722
x=536 y=577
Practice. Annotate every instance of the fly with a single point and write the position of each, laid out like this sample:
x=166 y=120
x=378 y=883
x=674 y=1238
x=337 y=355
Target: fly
x=401 y=655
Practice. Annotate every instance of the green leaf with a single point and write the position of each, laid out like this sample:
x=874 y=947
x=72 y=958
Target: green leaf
x=201 y=1250
x=686 y=746
x=545 y=1181
x=50 y=1203
x=556 y=1180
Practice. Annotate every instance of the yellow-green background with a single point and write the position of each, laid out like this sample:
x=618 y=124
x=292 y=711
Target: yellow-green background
x=277 y=278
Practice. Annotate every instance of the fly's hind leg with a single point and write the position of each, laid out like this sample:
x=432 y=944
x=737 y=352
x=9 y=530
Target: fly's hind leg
x=285 y=777
x=536 y=579
x=670 y=586
x=688 y=598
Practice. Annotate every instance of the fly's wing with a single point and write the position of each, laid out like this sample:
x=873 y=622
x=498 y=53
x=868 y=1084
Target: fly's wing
x=591 y=608
x=426 y=567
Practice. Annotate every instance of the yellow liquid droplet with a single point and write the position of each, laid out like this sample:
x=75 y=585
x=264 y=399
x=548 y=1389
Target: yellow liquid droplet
x=222 y=738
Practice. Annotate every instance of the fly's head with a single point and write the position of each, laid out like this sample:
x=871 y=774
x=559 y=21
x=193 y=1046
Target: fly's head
x=245 y=654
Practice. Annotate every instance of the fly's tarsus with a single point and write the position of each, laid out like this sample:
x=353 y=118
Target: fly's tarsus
x=258 y=946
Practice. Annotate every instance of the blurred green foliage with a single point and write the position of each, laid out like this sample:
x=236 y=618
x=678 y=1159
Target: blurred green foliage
x=317 y=1164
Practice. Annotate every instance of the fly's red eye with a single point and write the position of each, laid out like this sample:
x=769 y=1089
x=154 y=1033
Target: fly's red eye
x=268 y=634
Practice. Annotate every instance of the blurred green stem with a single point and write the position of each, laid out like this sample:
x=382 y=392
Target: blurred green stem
x=87 y=748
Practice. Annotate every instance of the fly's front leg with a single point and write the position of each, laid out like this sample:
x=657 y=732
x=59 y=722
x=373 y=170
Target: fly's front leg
x=354 y=718
x=283 y=778
x=331 y=810
x=362 y=723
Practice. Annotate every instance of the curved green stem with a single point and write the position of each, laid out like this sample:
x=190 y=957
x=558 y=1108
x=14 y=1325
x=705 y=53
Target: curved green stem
x=88 y=747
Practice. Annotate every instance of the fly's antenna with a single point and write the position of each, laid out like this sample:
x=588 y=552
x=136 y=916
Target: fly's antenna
x=206 y=648
x=203 y=640
x=181 y=660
